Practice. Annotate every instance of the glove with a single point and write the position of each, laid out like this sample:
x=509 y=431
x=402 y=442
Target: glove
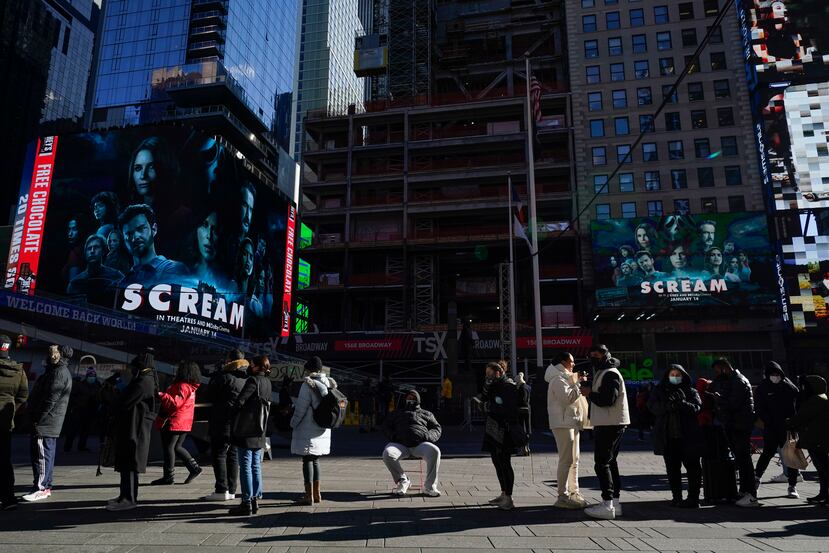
x=521 y=380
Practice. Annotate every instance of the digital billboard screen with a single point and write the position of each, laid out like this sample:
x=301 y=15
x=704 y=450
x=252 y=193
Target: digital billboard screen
x=683 y=260
x=805 y=268
x=158 y=222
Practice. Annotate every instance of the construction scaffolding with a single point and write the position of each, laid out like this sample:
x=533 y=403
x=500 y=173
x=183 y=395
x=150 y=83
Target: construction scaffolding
x=410 y=48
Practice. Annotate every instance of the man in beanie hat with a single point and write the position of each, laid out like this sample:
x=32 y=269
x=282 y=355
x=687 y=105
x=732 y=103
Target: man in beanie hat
x=47 y=404
x=14 y=389
x=775 y=401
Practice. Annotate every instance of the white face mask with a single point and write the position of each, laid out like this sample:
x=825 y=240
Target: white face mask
x=775 y=379
x=675 y=380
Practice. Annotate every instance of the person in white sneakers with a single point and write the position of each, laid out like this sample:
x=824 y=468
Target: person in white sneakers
x=413 y=433
x=610 y=417
x=567 y=412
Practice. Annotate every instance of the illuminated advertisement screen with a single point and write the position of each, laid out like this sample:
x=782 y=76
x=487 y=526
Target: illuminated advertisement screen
x=805 y=250
x=157 y=222
x=683 y=260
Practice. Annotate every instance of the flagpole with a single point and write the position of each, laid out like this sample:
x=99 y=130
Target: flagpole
x=533 y=225
x=513 y=353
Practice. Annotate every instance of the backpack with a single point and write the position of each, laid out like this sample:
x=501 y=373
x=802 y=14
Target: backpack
x=330 y=413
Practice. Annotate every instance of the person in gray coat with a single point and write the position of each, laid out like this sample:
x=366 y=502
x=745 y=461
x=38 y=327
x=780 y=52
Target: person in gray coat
x=47 y=405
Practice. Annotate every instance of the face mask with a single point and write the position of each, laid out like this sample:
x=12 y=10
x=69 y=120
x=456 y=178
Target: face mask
x=597 y=363
x=675 y=380
x=410 y=405
x=775 y=379
x=91 y=379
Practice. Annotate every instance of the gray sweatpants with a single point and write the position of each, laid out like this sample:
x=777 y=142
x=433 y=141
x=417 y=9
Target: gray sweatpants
x=429 y=452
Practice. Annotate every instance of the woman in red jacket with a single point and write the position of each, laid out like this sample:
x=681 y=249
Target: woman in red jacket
x=175 y=420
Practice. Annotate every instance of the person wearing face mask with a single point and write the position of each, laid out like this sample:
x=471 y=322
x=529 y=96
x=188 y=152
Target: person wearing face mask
x=610 y=417
x=413 y=433
x=813 y=432
x=775 y=402
x=83 y=408
x=676 y=433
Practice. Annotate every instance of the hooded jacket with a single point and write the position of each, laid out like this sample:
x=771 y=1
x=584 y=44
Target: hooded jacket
x=775 y=403
x=735 y=404
x=412 y=427
x=309 y=438
x=675 y=410
x=810 y=422
x=50 y=398
x=222 y=391
x=178 y=405
x=14 y=390
x=566 y=407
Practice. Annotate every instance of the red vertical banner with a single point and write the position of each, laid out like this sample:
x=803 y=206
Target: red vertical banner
x=288 y=283
x=27 y=245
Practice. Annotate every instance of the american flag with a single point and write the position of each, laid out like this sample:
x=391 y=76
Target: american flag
x=535 y=98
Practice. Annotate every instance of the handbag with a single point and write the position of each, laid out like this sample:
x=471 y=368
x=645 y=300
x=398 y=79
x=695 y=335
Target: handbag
x=494 y=430
x=792 y=455
x=252 y=420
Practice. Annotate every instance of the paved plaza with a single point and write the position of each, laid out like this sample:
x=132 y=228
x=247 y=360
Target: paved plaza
x=358 y=513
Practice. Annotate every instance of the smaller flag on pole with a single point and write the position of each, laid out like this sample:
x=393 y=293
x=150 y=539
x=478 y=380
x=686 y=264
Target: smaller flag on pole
x=519 y=219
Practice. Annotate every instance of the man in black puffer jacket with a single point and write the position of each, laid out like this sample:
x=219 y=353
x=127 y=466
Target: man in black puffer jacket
x=47 y=406
x=775 y=402
x=413 y=433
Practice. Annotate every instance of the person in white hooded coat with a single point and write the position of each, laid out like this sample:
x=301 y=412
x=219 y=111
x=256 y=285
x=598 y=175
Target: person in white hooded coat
x=310 y=440
x=567 y=410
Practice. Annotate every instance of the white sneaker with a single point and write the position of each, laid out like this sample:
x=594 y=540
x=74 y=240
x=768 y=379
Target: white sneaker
x=122 y=505
x=433 y=492
x=792 y=493
x=780 y=479
x=565 y=502
x=38 y=495
x=219 y=496
x=747 y=500
x=603 y=510
x=402 y=486
x=617 y=507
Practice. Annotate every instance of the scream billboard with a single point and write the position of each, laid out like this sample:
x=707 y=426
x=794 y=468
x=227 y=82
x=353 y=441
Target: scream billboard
x=683 y=260
x=159 y=222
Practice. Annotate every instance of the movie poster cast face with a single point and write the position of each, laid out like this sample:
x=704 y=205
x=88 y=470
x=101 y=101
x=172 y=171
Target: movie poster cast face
x=164 y=223
x=710 y=259
x=805 y=268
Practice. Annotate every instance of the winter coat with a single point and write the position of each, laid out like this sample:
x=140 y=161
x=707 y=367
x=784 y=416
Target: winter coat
x=566 y=407
x=49 y=399
x=178 y=405
x=222 y=390
x=502 y=400
x=775 y=403
x=675 y=410
x=247 y=399
x=810 y=422
x=412 y=427
x=735 y=404
x=14 y=389
x=309 y=438
x=135 y=410
x=83 y=401
x=705 y=417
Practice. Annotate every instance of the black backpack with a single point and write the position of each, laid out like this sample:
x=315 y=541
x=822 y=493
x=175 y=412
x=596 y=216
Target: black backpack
x=330 y=413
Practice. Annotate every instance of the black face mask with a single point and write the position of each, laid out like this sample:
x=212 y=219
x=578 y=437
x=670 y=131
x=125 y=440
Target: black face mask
x=411 y=405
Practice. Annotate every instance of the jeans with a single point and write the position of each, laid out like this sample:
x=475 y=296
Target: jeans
x=608 y=439
x=225 y=464
x=772 y=442
x=427 y=451
x=6 y=468
x=567 y=444
x=129 y=486
x=820 y=458
x=311 y=468
x=43 y=461
x=173 y=446
x=675 y=457
x=502 y=460
x=740 y=443
x=250 y=473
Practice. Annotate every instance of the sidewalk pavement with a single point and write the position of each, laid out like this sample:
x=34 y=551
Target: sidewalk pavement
x=359 y=514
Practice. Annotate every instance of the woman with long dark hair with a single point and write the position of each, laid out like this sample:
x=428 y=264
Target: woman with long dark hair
x=105 y=210
x=153 y=172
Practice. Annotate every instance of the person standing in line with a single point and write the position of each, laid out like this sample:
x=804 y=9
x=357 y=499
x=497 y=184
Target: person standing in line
x=367 y=401
x=48 y=403
x=82 y=410
x=567 y=412
x=135 y=410
x=178 y=406
x=676 y=433
x=309 y=440
x=735 y=411
x=813 y=432
x=222 y=391
x=14 y=390
x=254 y=398
x=610 y=417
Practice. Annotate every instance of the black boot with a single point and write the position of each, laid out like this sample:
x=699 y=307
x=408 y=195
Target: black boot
x=166 y=480
x=194 y=469
x=254 y=505
x=242 y=509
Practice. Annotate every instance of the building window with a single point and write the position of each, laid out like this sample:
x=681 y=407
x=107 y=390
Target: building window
x=644 y=97
x=676 y=150
x=626 y=182
x=660 y=15
x=718 y=61
x=699 y=120
x=669 y=92
x=614 y=46
x=689 y=37
x=711 y=7
x=623 y=154
x=613 y=20
x=721 y=89
x=652 y=181
x=716 y=35
x=588 y=23
x=588 y=3
x=702 y=148
x=639 y=43
x=673 y=122
x=679 y=179
x=646 y=124
x=663 y=40
x=622 y=125
x=695 y=92
x=728 y=144
x=591 y=49
x=593 y=73
x=655 y=208
x=620 y=99
x=686 y=10
x=611 y=2
x=666 y=67
x=599 y=156
x=628 y=210
x=637 y=17
x=682 y=206
x=693 y=65
x=733 y=176
x=617 y=71
x=649 y=152
x=725 y=117
x=600 y=184
x=594 y=101
x=736 y=203
x=709 y=205
x=597 y=128
x=641 y=69
x=602 y=211
x=705 y=177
